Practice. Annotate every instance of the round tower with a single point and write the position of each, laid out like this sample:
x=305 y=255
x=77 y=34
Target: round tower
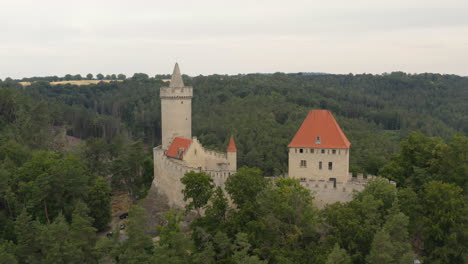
x=232 y=154
x=176 y=109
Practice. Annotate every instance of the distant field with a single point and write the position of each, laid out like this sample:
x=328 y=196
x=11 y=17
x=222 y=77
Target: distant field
x=81 y=82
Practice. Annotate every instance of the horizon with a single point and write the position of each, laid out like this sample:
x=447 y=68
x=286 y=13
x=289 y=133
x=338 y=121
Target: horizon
x=211 y=37
x=128 y=76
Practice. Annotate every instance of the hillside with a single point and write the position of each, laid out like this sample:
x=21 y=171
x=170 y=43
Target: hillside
x=264 y=111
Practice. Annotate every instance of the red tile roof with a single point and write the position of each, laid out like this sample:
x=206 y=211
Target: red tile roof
x=232 y=145
x=320 y=123
x=178 y=147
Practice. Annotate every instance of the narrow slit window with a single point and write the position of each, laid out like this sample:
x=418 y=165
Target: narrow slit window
x=320 y=165
x=330 y=165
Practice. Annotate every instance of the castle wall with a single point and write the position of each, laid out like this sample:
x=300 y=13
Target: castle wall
x=176 y=113
x=168 y=172
x=326 y=192
x=197 y=156
x=312 y=158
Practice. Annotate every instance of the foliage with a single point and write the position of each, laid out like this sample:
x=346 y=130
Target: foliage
x=445 y=218
x=423 y=159
x=338 y=256
x=198 y=189
x=99 y=203
x=174 y=246
x=391 y=243
x=286 y=221
x=138 y=247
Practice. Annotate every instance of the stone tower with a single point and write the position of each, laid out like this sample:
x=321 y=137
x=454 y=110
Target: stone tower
x=320 y=150
x=176 y=109
x=232 y=154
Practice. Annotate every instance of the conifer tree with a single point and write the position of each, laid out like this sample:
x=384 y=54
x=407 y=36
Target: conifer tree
x=391 y=243
x=82 y=232
x=139 y=246
x=55 y=243
x=174 y=246
x=99 y=201
x=7 y=255
x=338 y=256
x=27 y=238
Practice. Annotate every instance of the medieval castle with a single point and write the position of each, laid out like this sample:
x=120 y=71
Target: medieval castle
x=180 y=152
x=318 y=153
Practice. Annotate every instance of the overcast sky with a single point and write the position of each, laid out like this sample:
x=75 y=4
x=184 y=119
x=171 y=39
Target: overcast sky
x=56 y=37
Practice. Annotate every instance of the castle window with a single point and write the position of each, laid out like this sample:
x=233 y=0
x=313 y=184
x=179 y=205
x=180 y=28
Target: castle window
x=330 y=165
x=301 y=150
x=320 y=165
x=295 y=150
x=303 y=164
x=317 y=140
x=323 y=151
x=311 y=150
x=334 y=151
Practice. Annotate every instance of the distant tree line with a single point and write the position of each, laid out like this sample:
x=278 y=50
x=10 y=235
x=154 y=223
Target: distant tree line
x=263 y=112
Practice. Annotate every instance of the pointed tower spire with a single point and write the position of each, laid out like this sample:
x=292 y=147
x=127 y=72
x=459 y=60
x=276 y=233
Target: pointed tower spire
x=176 y=81
x=232 y=145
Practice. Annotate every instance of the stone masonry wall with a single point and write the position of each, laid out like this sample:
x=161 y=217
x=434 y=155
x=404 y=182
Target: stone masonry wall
x=168 y=172
x=176 y=114
x=312 y=157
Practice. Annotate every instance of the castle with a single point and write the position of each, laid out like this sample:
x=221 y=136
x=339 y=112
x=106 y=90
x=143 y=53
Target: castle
x=319 y=158
x=318 y=153
x=180 y=152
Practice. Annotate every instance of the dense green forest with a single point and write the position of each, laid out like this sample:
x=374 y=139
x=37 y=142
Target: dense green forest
x=264 y=111
x=408 y=128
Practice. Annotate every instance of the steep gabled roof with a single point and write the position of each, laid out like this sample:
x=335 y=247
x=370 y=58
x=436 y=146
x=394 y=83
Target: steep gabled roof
x=176 y=80
x=320 y=130
x=232 y=145
x=178 y=147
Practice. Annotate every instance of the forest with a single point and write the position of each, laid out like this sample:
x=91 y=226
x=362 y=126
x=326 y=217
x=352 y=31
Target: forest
x=55 y=196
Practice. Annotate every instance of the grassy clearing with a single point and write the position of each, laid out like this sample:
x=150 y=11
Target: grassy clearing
x=80 y=82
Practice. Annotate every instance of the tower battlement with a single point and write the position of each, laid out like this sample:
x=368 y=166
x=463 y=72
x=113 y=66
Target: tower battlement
x=176 y=93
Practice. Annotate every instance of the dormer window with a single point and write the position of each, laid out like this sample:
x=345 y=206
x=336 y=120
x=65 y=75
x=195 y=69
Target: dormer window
x=317 y=140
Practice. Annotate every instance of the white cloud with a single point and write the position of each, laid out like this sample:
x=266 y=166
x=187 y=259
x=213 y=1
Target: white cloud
x=60 y=37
